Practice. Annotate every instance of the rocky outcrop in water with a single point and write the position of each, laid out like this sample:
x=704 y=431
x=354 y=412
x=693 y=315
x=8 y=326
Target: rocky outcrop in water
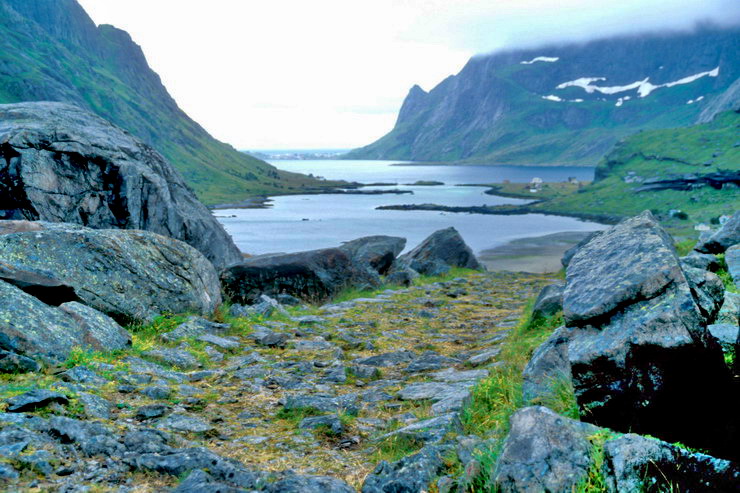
x=59 y=163
x=129 y=275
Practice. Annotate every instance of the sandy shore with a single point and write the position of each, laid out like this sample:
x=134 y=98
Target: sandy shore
x=539 y=254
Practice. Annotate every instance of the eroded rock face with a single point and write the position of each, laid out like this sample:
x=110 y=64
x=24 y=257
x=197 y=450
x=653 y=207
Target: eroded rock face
x=543 y=452
x=442 y=248
x=60 y=163
x=635 y=321
x=378 y=252
x=315 y=275
x=129 y=275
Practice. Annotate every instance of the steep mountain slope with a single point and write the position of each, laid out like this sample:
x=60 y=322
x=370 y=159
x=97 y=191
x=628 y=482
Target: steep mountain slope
x=51 y=50
x=564 y=104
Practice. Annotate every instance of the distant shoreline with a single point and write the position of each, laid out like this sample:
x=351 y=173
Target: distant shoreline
x=538 y=254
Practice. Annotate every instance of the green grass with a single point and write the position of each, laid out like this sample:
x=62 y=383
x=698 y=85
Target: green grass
x=396 y=447
x=725 y=276
x=594 y=480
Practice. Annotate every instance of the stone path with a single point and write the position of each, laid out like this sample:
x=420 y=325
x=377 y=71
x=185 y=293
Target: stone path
x=317 y=392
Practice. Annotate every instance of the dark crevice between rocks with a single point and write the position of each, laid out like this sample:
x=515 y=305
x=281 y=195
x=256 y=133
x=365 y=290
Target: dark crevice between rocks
x=14 y=202
x=677 y=404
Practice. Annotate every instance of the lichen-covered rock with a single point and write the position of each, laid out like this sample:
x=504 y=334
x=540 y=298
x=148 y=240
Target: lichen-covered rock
x=38 y=284
x=548 y=367
x=549 y=301
x=411 y=474
x=315 y=275
x=703 y=261
x=444 y=247
x=634 y=324
x=727 y=236
x=543 y=452
x=732 y=259
x=32 y=329
x=708 y=291
x=378 y=252
x=60 y=163
x=101 y=331
x=129 y=275
x=636 y=463
x=730 y=311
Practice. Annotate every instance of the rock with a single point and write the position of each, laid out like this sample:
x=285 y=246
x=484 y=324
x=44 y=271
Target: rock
x=221 y=342
x=268 y=338
x=102 y=333
x=549 y=302
x=175 y=357
x=430 y=361
x=293 y=483
x=732 y=259
x=129 y=275
x=387 y=359
x=199 y=481
x=365 y=371
x=703 y=261
x=402 y=277
x=330 y=422
x=412 y=474
x=152 y=411
x=315 y=275
x=194 y=327
x=634 y=323
x=95 y=406
x=445 y=246
x=484 y=357
x=64 y=164
x=40 y=285
x=377 y=252
x=450 y=376
x=636 y=256
x=35 y=399
x=635 y=463
x=543 y=452
x=7 y=472
x=30 y=328
x=325 y=403
x=568 y=255
x=730 y=311
x=548 y=364
x=727 y=236
x=708 y=291
x=184 y=423
x=15 y=363
x=435 y=391
x=726 y=335
x=431 y=430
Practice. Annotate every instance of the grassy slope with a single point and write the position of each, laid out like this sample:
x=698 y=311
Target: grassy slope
x=660 y=153
x=119 y=86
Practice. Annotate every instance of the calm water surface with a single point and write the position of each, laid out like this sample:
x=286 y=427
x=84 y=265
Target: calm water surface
x=304 y=222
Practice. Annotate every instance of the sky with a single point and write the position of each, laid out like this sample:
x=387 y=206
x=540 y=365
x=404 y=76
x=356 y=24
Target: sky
x=332 y=74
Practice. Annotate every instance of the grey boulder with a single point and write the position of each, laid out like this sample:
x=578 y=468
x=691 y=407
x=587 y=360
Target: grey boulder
x=443 y=248
x=314 y=275
x=411 y=474
x=60 y=163
x=32 y=329
x=548 y=367
x=543 y=452
x=549 y=301
x=378 y=252
x=129 y=275
x=727 y=236
x=732 y=259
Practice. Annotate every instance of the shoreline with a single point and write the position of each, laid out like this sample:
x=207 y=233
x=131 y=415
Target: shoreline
x=535 y=255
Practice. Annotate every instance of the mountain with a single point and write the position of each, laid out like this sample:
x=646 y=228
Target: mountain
x=565 y=104
x=50 y=50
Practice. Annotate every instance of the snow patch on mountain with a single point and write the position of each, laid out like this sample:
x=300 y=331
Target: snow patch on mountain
x=644 y=87
x=549 y=59
x=692 y=101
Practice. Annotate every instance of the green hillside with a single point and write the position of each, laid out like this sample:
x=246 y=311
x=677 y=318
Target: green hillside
x=700 y=150
x=51 y=50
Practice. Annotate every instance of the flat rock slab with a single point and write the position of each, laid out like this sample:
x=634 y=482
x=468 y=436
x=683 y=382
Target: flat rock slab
x=323 y=402
x=35 y=399
x=387 y=359
x=431 y=430
x=194 y=327
x=175 y=357
x=184 y=423
x=221 y=342
x=451 y=376
x=485 y=357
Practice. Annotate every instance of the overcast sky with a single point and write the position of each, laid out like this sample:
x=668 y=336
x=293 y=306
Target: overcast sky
x=309 y=74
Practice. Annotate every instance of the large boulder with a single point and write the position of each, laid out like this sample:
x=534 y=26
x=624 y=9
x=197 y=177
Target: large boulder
x=725 y=237
x=60 y=163
x=442 y=248
x=636 y=463
x=41 y=285
x=634 y=324
x=412 y=474
x=568 y=255
x=129 y=275
x=543 y=452
x=315 y=275
x=732 y=259
x=30 y=328
x=378 y=252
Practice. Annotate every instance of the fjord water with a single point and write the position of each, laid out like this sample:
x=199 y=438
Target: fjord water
x=303 y=222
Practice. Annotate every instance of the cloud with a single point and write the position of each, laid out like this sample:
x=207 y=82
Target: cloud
x=333 y=73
